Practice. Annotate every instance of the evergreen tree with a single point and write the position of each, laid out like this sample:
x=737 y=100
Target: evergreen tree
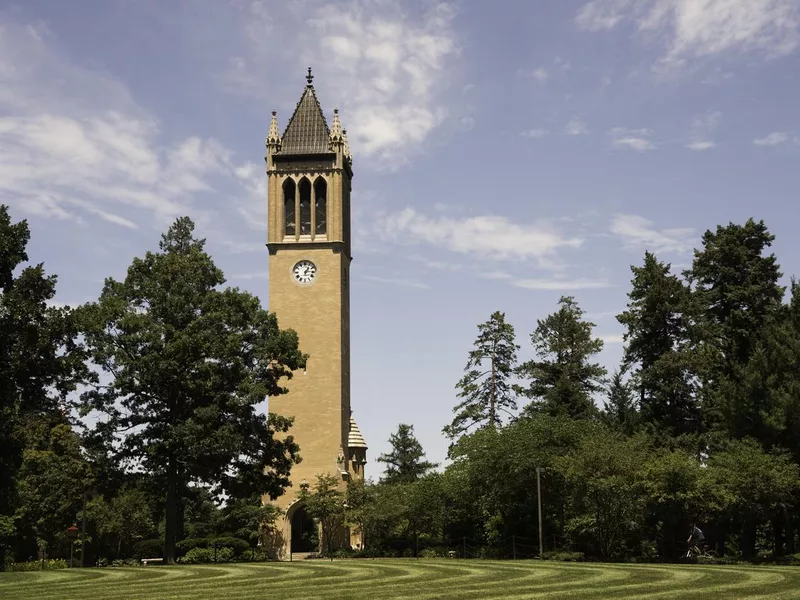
x=404 y=462
x=486 y=389
x=563 y=380
x=188 y=363
x=620 y=409
x=737 y=296
x=40 y=361
x=657 y=347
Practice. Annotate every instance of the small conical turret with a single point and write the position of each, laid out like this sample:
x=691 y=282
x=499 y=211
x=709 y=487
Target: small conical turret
x=274 y=135
x=336 y=127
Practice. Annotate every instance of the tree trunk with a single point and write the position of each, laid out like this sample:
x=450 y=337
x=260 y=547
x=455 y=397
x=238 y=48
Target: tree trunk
x=171 y=522
x=777 y=534
x=748 y=546
x=789 y=520
x=492 y=399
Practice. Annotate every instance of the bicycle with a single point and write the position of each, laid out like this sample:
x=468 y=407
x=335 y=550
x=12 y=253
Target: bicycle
x=695 y=552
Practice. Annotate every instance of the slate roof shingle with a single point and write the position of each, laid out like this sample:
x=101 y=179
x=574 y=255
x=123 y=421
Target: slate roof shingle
x=307 y=131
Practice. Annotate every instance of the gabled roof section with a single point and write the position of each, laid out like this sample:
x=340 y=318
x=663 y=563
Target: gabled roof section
x=307 y=131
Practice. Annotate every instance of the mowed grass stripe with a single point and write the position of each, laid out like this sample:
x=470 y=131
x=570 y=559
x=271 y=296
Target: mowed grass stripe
x=396 y=578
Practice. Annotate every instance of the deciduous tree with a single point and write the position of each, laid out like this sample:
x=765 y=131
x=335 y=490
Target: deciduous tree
x=188 y=363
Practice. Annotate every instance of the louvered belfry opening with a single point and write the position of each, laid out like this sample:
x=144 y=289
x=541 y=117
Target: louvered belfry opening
x=304 y=187
x=290 y=226
x=320 y=206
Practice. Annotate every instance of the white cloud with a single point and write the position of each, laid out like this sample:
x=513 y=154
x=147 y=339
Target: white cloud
x=694 y=29
x=539 y=75
x=576 y=127
x=386 y=68
x=634 y=143
x=639 y=233
x=773 y=139
x=613 y=338
x=409 y=283
x=561 y=284
x=534 y=133
x=702 y=128
x=77 y=145
x=487 y=236
x=631 y=139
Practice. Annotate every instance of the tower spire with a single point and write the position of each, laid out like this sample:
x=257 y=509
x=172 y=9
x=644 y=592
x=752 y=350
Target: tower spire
x=309 y=77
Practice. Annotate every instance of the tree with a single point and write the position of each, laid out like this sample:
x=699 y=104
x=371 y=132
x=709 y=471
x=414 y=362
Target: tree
x=187 y=364
x=486 y=390
x=563 y=380
x=326 y=505
x=40 y=360
x=52 y=481
x=404 y=461
x=620 y=409
x=736 y=295
x=657 y=345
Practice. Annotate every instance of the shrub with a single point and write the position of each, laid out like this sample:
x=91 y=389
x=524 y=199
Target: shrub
x=238 y=545
x=38 y=565
x=563 y=556
x=149 y=549
x=206 y=555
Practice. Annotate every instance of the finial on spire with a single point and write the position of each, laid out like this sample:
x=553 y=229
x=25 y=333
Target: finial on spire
x=309 y=77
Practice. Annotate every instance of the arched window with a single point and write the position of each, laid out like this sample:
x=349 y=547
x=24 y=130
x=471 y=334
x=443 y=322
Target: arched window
x=305 y=206
x=320 y=206
x=290 y=225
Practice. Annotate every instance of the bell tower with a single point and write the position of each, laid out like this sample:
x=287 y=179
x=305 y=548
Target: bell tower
x=309 y=174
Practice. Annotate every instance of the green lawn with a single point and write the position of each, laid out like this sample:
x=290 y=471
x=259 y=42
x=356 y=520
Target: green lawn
x=406 y=578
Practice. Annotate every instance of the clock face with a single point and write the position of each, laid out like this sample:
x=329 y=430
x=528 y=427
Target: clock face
x=305 y=271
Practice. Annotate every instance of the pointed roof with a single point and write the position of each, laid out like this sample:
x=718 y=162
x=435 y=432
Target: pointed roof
x=307 y=131
x=355 y=439
x=274 y=136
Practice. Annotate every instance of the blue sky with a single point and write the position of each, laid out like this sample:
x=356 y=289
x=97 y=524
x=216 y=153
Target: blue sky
x=505 y=153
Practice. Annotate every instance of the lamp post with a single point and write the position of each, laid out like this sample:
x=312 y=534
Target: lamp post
x=72 y=533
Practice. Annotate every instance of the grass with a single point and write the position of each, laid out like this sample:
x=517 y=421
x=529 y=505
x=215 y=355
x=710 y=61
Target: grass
x=404 y=578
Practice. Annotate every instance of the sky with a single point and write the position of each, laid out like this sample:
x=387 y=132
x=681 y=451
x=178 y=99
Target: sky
x=505 y=154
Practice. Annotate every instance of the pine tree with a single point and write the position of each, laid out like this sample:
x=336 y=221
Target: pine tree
x=620 y=407
x=737 y=296
x=658 y=348
x=486 y=386
x=404 y=462
x=563 y=380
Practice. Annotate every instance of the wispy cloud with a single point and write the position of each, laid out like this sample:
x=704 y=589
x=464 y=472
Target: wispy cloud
x=408 y=283
x=488 y=236
x=701 y=131
x=639 y=233
x=561 y=284
x=773 y=139
x=386 y=67
x=612 y=338
x=692 y=29
x=539 y=74
x=576 y=126
x=631 y=139
x=534 y=133
x=77 y=146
